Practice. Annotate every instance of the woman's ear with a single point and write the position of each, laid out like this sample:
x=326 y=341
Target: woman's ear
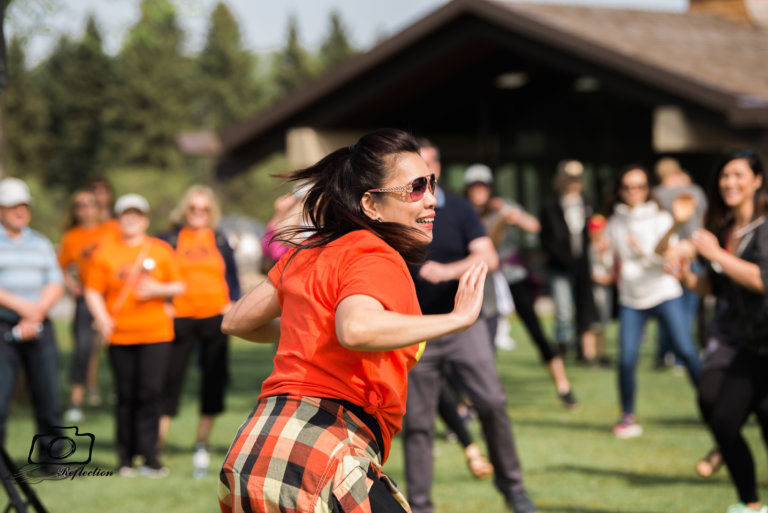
x=369 y=205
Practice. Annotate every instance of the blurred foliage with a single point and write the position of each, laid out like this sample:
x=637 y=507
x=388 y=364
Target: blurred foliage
x=81 y=113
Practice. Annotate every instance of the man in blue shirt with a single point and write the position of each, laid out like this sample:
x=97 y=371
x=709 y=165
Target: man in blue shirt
x=30 y=284
x=459 y=240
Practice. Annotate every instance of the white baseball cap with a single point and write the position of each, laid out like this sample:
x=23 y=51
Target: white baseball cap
x=478 y=173
x=14 y=192
x=128 y=201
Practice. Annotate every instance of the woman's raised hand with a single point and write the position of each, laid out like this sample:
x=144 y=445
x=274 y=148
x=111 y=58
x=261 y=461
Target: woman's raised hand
x=469 y=297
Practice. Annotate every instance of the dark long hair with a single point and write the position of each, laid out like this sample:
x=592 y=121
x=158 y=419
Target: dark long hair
x=719 y=215
x=617 y=185
x=337 y=184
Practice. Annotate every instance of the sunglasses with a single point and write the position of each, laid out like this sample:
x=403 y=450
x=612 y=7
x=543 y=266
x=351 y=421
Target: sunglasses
x=416 y=189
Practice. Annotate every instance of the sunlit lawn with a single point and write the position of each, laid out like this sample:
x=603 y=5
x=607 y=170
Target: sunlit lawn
x=571 y=462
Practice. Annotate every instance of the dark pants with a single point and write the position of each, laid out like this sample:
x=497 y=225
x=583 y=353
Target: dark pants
x=86 y=342
x=205 y=335
x=470 y=357
x=726 y=399
x=139 y=371
x=522 y=295
x=40 y=360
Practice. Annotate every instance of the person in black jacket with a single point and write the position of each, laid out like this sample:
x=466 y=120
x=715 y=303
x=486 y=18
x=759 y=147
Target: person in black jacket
x=734 y=383
x=565 y=241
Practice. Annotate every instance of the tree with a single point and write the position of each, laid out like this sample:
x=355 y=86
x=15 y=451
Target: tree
x=336 y=47
x=75 y=81
x=291 y=67
x=25 y=116
x=226 y=88
x=147 y=101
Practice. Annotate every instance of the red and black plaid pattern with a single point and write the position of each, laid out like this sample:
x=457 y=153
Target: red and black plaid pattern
x=298 y=454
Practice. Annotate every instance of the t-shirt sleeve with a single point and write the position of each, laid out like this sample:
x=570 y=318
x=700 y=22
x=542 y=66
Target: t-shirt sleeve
x=65 y=256
x=380 y=276
x=98 y=273
x=473 y=225
x=276 y=272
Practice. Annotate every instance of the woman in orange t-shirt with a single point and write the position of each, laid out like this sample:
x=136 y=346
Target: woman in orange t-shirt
x=207 y=266
x=83 y=234
x=344 y=309
x=126 y=289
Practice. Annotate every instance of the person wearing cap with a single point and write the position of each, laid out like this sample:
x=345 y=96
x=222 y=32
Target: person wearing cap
x=126 y=289
x=30 y=284
x=459 y=240
x=512 y=280
x=565 y=242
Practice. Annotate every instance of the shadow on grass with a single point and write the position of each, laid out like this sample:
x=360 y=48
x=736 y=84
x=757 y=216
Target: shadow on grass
x=559 y=424
x=634 y=478
x=577 y=509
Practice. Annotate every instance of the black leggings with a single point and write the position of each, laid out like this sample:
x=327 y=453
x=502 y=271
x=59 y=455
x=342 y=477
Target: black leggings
x=522 y=295
x=727 y=396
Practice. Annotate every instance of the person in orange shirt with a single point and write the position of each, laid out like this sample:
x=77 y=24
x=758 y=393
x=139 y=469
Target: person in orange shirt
x=82 y=236
x=343 y=307
x=105 y=196
x=208 y=268
x=126 y=289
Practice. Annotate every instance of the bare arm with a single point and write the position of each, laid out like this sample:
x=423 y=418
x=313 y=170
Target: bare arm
x=363 y=324
x=149 y=288
x=746 y=274
x=481 y=250
x=98 y=308
x=255 y=316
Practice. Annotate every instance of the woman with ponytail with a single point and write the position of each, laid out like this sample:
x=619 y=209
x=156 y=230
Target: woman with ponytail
x=343 y=309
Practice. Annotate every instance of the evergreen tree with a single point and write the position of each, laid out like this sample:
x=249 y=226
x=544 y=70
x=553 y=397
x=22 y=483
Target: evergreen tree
x=25 y=116
x=75 y=80
x=147 y=100
x=291 y=65
x=336 y=47
x=226 y=89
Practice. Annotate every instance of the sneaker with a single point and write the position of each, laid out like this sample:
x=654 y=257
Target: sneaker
x=73 y=414
x=568 y=400
x=153 y=473
x=126 y=471
x=627 y=427
x=201 y=460
x=519 y=502
x=743 y=508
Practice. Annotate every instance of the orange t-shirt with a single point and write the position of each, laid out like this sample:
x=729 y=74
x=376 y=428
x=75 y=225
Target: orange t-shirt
x=77 y=247
x=202 y=268
x=310 y=361
x=136 y=321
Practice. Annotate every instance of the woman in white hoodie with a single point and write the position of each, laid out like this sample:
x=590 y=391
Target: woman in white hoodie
x=645 y=288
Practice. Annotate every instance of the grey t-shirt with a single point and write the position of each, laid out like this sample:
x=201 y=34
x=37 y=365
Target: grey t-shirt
x=666 y=195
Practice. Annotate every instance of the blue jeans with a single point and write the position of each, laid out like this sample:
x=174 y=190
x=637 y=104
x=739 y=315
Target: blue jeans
x=632 y=322
x=40 y=359
x=565 y=308
x=691 y=307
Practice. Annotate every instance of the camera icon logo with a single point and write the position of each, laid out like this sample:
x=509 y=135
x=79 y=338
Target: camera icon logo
x=68 y=447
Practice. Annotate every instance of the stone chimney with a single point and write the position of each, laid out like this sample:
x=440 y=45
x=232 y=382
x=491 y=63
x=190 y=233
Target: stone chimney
x=750 y=12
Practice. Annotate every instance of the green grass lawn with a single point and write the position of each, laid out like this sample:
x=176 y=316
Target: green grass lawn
x=571 y=462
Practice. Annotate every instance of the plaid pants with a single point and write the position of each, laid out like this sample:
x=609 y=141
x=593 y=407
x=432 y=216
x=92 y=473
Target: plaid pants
x=307 y=455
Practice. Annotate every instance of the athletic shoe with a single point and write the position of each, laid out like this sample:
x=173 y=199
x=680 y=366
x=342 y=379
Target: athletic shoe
x=519 y=502
x=153 y=473
x=743 y=508
x=627 y=427
x=201 y=460
x=73 y=414
x=127 y=472
x=568 y=400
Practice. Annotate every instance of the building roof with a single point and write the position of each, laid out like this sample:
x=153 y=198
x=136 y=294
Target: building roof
x=698 y=60
x=697 y=47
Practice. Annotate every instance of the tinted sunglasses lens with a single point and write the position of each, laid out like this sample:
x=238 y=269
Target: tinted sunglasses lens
x=418 y=188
